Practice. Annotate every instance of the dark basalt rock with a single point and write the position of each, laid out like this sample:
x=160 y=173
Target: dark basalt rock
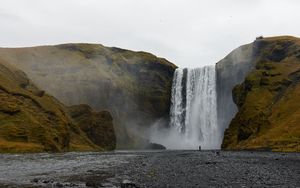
x=128 y=184
x=98 y=126
x=155 y=146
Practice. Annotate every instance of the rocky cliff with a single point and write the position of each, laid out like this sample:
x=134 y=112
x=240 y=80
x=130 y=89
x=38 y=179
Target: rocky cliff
x=33 y=121
x=97 y=125
x=134 y=86
x=268 y=115
x=231 y=71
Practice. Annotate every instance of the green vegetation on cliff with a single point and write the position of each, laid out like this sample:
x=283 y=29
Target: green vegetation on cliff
x=268 y=99
x=135 y=87
x=33 y=121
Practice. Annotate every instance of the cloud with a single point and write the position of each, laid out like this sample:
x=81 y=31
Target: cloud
x=190 y=33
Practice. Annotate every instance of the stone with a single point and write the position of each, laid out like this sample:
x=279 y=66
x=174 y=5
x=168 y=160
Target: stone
x=128 y=184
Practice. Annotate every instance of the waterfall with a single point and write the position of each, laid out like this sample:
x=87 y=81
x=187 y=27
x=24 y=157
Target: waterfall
x=193 y=113
x=194 y=109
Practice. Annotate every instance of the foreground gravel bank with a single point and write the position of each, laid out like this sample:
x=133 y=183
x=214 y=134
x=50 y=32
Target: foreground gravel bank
x=151 y=169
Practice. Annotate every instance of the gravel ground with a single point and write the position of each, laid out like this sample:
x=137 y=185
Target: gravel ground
x=152 y=169
x=216 y=169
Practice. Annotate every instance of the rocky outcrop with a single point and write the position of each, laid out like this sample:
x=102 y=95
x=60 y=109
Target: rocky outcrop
x=33 y=121
x=98 y=126
x=268 y=115
x=155 y=146
x=231 y=71
x=135 y=87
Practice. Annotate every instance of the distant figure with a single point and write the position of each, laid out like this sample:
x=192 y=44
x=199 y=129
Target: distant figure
x=199 y=148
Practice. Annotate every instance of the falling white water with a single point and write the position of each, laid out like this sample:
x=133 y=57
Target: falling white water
x=193 y=111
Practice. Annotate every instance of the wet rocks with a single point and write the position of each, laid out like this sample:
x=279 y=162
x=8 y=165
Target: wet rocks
x=155 y=146
x=128 y=184
x=52 y=183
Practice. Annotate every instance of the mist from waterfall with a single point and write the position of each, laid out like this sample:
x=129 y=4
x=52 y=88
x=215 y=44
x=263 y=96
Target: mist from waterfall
x=193 y=111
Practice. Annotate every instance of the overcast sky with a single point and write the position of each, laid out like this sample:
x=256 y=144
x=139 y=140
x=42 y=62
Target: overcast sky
x=190 y=33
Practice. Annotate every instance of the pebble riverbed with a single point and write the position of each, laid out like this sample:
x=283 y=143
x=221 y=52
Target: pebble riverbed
x=151 y=169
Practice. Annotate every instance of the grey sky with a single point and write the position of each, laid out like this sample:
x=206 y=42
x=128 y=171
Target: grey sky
x=190 y=33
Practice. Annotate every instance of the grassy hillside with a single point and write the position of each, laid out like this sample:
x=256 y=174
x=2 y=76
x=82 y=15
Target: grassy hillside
x=135 y=87
x=269 y=111
x=33 y=121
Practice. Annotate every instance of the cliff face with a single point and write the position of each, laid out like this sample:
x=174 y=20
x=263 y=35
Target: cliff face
x=134 y=86
x=231 y=71
x=33 y=121
x=269 y=111
x=97 y=125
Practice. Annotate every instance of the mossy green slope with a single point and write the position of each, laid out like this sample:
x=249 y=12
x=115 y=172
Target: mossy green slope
x=269 y=111
x=33 y=121
x=135 y=87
